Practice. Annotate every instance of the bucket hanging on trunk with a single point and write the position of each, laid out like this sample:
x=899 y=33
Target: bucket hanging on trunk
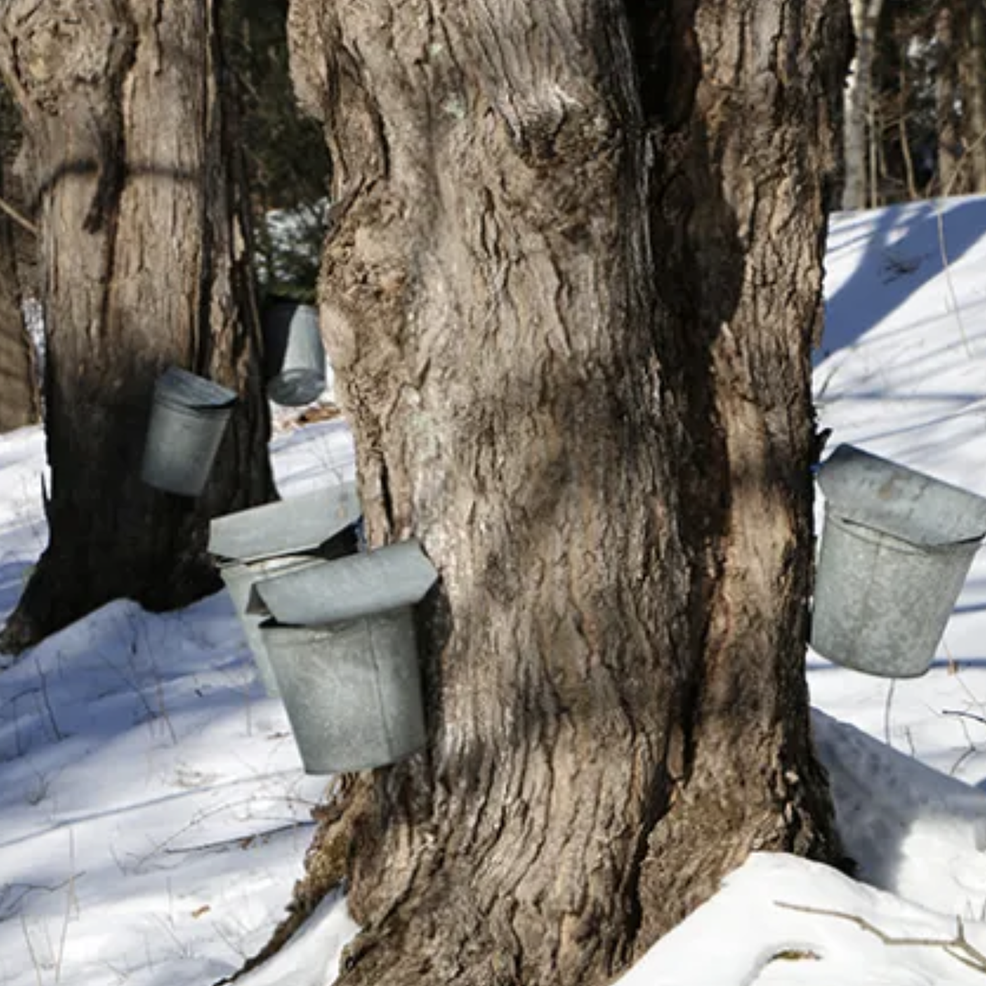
x=277 y=538
x=895 y=551
x=188 y=419
x=342 y=645
x=294 y=355
x=351 y=690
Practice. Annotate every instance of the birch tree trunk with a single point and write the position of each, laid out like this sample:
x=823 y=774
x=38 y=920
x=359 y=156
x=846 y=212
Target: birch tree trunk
x=860 y=177
x=570 y=290
x=133 y=164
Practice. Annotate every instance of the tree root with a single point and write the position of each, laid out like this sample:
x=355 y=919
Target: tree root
x=20 y=634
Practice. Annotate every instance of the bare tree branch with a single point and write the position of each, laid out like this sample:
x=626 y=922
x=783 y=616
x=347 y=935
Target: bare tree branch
x=18 y=217
x=957 y=948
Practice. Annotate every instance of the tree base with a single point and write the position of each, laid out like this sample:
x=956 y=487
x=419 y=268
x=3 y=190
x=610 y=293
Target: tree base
x=326 y=863
x=19 y=634
x=55 y=597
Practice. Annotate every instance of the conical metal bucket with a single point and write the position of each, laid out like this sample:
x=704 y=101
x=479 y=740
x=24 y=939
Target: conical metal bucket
x=188 y=419
x=352 y=690
x=277 y=538
x=895 y=551
x=294 y=355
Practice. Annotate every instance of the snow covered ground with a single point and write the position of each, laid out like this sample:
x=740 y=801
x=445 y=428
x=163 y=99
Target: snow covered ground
x=154 y=815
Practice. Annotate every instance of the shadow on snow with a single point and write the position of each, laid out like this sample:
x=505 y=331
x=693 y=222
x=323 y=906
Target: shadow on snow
x=903 y=252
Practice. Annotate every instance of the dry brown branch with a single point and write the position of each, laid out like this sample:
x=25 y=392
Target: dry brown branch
x=957 y=948
x=18 y=217
x=964 y=715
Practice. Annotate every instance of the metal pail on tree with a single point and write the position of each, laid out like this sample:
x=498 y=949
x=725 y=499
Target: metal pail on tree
x=351 y=690
x=343 y=648
x=274 y=539
x=895 y=551
x=188 y=419
x=294 y=357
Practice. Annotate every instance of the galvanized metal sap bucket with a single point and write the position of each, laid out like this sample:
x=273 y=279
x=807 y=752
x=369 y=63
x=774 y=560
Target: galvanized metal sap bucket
x=895 y=550
x=294 y=356
x=277 y=538
x=188 y=418
x=343 y=648
x=351 y=690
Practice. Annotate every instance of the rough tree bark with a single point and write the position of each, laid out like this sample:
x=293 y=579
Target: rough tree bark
x=946 y=98
x=972 y=73
x=18 y=382
x=131 y=157
x=860 y=176
x=570 y=291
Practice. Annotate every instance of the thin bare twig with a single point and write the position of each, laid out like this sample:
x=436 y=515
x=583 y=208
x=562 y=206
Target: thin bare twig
x=28 y=888
x=240 y=840
x=35 y=961
x=59 y=735
x=964 y=715
x=886 y=713
x=943 y=249
x=18 y=217
x=70 y=901
x=957 y=948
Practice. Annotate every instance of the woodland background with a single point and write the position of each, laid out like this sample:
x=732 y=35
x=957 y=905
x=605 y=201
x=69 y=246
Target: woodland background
x=913 y=124
x=288 y=169
x=915 y=128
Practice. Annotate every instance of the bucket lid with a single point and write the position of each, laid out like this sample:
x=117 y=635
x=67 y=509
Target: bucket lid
x=183 y=389
x=892 y=499
x=286 y=527
x=373 y=582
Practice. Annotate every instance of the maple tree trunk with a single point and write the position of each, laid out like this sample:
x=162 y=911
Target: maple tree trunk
x=570 y=289
x=18 y=393
x=130 y=155
x=946 y=94
x=18 y=383
x=972 y=70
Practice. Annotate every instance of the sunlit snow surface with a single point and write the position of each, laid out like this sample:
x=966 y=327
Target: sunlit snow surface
x=153 y=813
x=154 y=816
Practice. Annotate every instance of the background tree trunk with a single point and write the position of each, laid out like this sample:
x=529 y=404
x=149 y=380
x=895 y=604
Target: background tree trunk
x=570 y=290
x=946 y=83
x=860 y=174
x=145 y=259
x=18 y=381
x=903 y=40
x=973 y=75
